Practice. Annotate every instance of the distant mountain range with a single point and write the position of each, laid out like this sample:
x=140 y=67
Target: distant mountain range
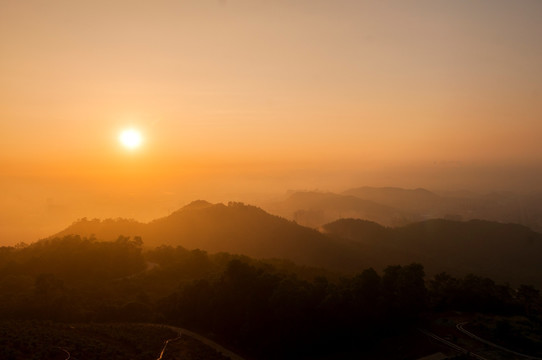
x=396 y=207
x=504 y=252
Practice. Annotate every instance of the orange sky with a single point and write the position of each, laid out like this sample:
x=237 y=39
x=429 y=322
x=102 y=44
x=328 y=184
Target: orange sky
x=252 y=96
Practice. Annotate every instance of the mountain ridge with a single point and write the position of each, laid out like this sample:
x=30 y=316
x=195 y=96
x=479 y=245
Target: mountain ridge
x=234 y=228
x=394 y=206
x=477 y=246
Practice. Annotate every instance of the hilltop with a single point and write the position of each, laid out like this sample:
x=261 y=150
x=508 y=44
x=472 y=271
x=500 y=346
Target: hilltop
x=235 y=228
x=506 y=252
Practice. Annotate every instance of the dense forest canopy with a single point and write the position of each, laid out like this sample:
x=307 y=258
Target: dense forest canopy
x=504 y=252
x=263 y=310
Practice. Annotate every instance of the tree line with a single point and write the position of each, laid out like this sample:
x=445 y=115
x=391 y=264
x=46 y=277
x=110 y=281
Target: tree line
x=264 y=310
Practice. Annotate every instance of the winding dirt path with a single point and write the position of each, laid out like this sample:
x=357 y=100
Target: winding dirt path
x=166 y=344
x=65 y=352
x=219 y=348
x=452 y=345
x=461 y=328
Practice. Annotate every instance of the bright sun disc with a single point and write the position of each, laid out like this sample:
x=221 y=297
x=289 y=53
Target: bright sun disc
x=130 y=138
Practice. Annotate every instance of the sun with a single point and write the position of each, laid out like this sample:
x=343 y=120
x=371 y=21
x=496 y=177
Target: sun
x=130 y=138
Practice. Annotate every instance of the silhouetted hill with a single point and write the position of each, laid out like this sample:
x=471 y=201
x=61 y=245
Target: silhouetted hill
x=507 y=252
x=315 y=209
x=234 y=228
x=421 y=204
x=107 y=229
x=357 y=230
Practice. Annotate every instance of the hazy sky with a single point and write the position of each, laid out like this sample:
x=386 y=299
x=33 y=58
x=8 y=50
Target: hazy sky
x=253 y=94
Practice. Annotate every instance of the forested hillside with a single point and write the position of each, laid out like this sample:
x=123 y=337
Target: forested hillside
x=504 y=252
x=235 y=228
x=507 y=252
x=257 y=308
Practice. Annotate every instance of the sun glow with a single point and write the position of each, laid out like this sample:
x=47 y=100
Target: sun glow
x=130 y=138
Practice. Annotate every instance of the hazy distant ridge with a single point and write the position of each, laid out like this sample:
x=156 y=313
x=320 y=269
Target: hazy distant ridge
x=391 y=206
x=505 y=252
x=315 y=209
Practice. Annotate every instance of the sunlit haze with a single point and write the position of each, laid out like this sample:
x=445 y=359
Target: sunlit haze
x=244 y=100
